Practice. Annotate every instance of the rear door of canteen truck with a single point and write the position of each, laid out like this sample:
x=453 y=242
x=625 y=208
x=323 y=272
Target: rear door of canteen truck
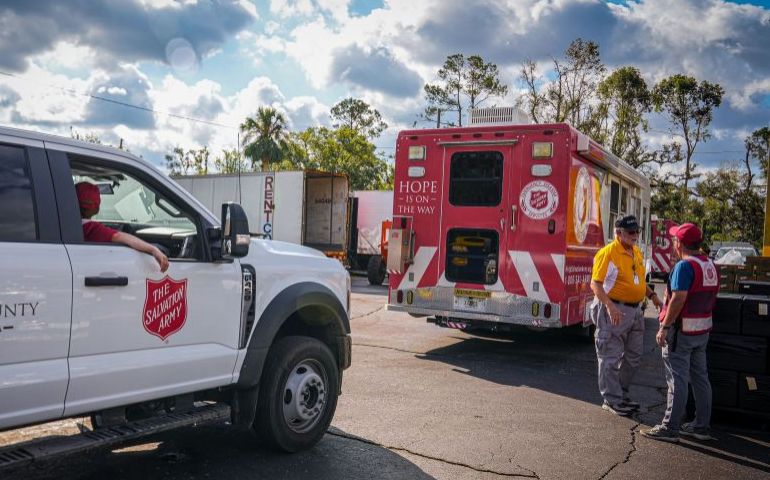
x=661 y=259
x=497 y=225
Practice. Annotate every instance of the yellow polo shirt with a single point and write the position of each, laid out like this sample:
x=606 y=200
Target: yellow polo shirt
x=621 y=274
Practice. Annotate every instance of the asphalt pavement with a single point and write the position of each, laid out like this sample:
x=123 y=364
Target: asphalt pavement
x=423 y=402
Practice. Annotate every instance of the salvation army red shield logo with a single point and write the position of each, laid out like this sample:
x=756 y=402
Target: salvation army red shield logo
x=538 y=199
x=165 y=307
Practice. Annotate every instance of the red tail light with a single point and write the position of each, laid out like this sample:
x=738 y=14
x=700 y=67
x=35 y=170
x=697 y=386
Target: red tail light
x=547 y=310
x=400 y=296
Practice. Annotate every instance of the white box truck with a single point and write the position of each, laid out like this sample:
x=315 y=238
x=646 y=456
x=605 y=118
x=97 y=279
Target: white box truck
x=304 y=207
x=374 y=210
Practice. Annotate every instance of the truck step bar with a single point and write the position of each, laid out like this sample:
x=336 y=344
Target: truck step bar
x=50 y=447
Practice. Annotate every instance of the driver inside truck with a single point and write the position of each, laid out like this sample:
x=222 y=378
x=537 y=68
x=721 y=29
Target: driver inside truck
x=89 y=200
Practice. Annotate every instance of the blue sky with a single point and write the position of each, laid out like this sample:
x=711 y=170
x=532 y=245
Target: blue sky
x=218 y=61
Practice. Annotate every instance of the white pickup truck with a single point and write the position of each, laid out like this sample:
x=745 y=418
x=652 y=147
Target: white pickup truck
x=252 y=331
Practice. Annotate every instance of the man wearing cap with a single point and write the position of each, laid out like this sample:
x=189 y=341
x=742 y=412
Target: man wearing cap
x=685 y=323
x=619 y=287
x=89 y=200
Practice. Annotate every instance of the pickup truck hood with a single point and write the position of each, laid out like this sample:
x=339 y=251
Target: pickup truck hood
x=277 y=247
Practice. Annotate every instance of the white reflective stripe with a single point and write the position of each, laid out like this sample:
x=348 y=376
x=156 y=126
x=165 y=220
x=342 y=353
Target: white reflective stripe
x=421 y=261
x=611 y=277
x=558 y=260
x=696 y=324
x=660 y=261
x=528 y=275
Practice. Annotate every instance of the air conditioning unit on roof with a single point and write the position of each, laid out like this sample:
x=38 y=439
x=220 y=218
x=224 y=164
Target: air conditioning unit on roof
x=498 y=116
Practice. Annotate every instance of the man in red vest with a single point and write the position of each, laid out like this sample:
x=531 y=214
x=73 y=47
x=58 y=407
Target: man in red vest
x=684 y=332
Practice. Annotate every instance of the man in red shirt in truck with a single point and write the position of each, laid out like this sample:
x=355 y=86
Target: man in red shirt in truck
x=89 y=200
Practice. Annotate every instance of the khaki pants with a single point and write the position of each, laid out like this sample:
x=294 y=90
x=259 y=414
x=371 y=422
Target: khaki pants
x=619 y=349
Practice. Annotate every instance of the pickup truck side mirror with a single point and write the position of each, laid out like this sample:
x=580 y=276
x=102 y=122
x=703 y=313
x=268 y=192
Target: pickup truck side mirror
x=235 y=231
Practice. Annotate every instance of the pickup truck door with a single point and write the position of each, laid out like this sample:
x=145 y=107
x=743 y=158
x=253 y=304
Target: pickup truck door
x=35 y=289
x=140 y=334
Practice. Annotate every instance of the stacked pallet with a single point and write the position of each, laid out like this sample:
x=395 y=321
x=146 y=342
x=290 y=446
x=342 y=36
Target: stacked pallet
x=756 y=268
x=738 y=359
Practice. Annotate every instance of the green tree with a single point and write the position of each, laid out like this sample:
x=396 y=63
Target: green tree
x=689 y=105
x=179 y=162
x=264 y=137
x=231 y=161
x=758 y=148
x=359 y=116
x=730 y=207
x=200 y=160
x=619 y=119
x=342 y=150
x=464 y=83
x=568 y=96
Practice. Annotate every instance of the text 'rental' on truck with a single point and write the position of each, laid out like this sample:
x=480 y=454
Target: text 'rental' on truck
x=496 y=224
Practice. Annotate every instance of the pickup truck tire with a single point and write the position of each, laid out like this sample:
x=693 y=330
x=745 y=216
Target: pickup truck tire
x=298 y=394
x=375 y=270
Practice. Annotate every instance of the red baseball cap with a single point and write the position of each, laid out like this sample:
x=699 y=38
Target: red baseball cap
x=687 y=233
x=88 y=195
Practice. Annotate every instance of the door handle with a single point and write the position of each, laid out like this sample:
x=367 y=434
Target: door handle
x=513 y=217
x=106 y=281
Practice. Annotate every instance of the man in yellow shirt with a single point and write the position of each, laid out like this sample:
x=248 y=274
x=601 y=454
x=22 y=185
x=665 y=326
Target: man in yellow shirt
x=619 y=287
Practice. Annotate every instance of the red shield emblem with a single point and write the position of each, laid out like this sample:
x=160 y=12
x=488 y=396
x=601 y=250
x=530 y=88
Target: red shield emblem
x=165 y=307
x=538 y=199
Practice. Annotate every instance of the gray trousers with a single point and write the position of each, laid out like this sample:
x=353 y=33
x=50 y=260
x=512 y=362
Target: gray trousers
x=686 y=364
x=619 y=350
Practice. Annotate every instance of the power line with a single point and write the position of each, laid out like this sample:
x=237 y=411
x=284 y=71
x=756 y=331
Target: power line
x=129 y=105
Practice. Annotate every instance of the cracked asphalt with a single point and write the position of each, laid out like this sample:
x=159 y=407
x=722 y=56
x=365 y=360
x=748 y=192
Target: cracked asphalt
x=422 y=402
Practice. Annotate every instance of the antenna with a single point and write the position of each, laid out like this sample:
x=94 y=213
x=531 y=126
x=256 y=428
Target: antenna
x=240 y=155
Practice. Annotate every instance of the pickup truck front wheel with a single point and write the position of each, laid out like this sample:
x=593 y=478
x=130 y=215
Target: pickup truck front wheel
x=298 y=394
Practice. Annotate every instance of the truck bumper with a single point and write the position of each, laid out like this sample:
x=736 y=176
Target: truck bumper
x=500 y=307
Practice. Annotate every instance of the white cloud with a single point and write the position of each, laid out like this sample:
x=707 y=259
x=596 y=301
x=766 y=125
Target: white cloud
x=46 y=97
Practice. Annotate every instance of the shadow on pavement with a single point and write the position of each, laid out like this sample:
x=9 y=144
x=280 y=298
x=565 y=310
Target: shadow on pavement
x=749 y=448
x=556 y=361
x=220 y=451
x=562 y=363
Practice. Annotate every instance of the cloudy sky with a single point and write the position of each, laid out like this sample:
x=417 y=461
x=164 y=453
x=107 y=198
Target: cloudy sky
x=196 y=69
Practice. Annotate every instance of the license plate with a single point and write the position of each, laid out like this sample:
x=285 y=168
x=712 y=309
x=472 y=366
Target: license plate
x=471 y=300
x=470 y=304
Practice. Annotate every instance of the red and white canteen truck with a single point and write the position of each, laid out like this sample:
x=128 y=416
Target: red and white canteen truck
x=661 y=260
x=497 y=225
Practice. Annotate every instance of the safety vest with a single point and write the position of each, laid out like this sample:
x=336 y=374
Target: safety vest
x=695 y=318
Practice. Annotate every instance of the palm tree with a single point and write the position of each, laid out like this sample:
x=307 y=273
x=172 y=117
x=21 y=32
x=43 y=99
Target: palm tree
x=264 y=137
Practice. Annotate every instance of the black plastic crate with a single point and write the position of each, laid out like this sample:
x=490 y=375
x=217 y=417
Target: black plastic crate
x=754 y=392
x=755 y=316
x=753 y=287
x=727 y=313
x=737 y=353
x=724 y=386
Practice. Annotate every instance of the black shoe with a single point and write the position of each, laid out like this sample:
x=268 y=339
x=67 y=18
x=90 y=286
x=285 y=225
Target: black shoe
x=618 y=409
x=627 y=402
